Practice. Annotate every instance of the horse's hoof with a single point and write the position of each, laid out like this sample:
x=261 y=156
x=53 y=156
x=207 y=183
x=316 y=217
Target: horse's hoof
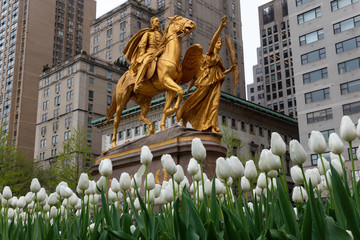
x=170 y=111
x=163 y=128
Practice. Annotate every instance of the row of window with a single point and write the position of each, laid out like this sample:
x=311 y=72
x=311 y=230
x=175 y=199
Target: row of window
x=326 y=156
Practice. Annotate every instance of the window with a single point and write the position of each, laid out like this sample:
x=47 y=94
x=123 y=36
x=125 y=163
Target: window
x=123 y=25
x=91 y=95
x=326 y=133
x=120 y=135
x=354 y=149
x=311 y=37
x=45 y=105
x=91 y=81
x=55 y=139
x=56 y=113
x=349 y=87
x=96 y=49
x=313 y=56
x=109 y=43
x=68 y=108
x=337 y=4
x=89 y=121
x=69 y=95
x=90 y=107
x=43 y=131
x=42 y=156
x=317 y=95
x=243 y=126
x=351 y=108
x=109 y=32
x=67 y=135
x=349 y=65
x=128 y=133
x=57 y=101
x=315 y=75
x=233 y=123
x=347 y=44
x=109 y=75
x=347 y=24
x=137 y=130
x=223 y=120
x=251 y=128
x=319 y=116
x=315 y=157
x=42 y=143
x=309 y=15
x=122 y=36
x=68 y=122
x=108 y=100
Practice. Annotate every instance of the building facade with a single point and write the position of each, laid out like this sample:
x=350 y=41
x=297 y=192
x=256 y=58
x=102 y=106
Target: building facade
x=71 y=95
x=277 y=72
x=110 y=32
x=32 y=35
x=326 y=50
x=255 y=90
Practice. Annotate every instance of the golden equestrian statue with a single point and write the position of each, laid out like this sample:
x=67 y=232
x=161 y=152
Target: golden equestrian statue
x=207 y=71
x=166 y=72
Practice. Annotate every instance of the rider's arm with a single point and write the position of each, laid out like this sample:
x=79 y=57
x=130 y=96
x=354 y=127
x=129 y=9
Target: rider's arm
x=216 y=35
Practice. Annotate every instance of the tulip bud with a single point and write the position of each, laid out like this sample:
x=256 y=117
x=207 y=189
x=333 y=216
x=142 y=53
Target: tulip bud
x=236 y=167
x=272 y=173
x=101 y=184
x=296 y=175
x=335 y=144
x=168 y=197
x=157 y=190
x=83 y=183
x=337 y=165
x=35 y=185
x=21 y=203
x=193 y=167
x=296 y=197
x=73 y=200
x=168 y=164
x=322 y=171
x=317 y=142
x=132 y=229
x=245 y=184
x=328 y=176
x=350 y=234
x=112 y=195
x=146 y=155
x=105 y=167
x=250 y=170
x=41 y=195
x=179 y=175
x=336 y=156
x=208 y=186
x=272 y=184
x=65 y=192
x=219 y=187
x=150 y=181
x=198 y=150
x=264 y=161
x=222 y=169
x=53 y=199
x=7 y=194
x=185 y=182
x=347 y=129
x=261 y=182
x=125 y=181
x=313 y=175
x=197 y=176
x=358 y=129
x=278 y=146
x=136 y=179
x=297 y=152
x=64 y=184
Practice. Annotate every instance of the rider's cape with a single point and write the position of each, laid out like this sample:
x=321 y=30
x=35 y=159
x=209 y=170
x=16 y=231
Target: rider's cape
x=130 y=51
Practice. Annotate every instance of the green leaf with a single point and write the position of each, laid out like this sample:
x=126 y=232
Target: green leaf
x=334 y=232
x=214 y=206
x=105 y=209
x=210 y=230
x=180 y=227
x=307 y=223
x=230 y=232
x=195 y=218
x=119 y=234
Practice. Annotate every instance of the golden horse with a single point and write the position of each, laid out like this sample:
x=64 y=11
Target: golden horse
x=167 y=73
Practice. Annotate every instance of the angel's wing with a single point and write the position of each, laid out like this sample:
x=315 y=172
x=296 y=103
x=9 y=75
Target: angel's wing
x=191 y=65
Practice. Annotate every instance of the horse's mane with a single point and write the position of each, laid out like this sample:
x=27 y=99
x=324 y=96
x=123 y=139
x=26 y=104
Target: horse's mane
x=163 y=39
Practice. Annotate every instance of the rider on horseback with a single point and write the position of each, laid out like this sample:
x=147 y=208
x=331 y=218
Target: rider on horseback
x=142 y=51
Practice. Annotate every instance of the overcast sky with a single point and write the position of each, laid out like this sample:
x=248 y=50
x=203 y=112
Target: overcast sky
x=250 y=23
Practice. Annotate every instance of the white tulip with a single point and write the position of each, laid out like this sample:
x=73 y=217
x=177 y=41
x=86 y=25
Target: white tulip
x=65 y=192
x=193 y=167
x=198 y=150
x=222 y=169
x=105 y=167
x=347 y=129
x=83 y=183
x=236 y=167
x=132 y=229
x=313 y=175
x=136 y=179
x=219 y=187
x=245 y=184
x=41 y=195
x=337 y=165
x=336 y=156
x=157 y=190
x=150 y=181
x=297 y=152
x=261 y=182
x=358 y=153
x=358 y=129
x=296 y=175
x=335 y=144
x=197 y=176
x=7 y=194
x=272 y=184
x=264 y=161
x=115 y=185
x=13 y=202
x=208 y=187
x=272 y=173
x=125 y=181
x=328 y=176
x=168 y=197
x=146 y=155
x=101 y=184
x=317 y=142
x=296 y=197
x=179 y=175
x=168 y=164
x=46 y=207
x=11 y=213
x=278 y=146
x=250 y=171
x=350 y=234
x=29 y=197
x=53 y=212
x=21 y=203
x=112 y=195
x=61 y=184
x=185 y=182
x=73 y=200
x=92 y=188
x=35 y=185
x=320 y=166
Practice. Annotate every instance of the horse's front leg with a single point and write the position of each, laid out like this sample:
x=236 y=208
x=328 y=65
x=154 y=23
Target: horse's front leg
x=145 y=106
x=167 y=110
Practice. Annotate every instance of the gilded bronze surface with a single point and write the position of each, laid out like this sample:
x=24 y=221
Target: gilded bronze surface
x=207 y=73
x=147 y=53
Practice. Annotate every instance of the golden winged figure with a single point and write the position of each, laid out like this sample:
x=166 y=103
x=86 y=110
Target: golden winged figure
x=208 y=73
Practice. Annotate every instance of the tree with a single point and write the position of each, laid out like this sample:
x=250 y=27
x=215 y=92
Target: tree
x=75 y=159
x=230 y=141
x=15 y=169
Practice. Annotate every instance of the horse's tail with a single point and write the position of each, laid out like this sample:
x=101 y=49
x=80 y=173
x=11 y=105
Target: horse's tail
x=112 y=108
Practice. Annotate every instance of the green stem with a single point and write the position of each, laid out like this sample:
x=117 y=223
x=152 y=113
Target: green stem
x=173 y=183
x=202 y=179
x=355 y=190
x=343 y=168
x=326 y=180
x=284 y=176
x=194 y=190
x=146 y=173
x=305 y=181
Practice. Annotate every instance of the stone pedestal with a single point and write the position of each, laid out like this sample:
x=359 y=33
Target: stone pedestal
x=175 y=141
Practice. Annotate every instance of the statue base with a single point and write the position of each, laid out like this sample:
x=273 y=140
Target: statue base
x=175 y=141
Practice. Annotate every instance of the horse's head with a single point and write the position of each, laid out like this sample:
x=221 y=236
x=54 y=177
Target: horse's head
x=181 y=25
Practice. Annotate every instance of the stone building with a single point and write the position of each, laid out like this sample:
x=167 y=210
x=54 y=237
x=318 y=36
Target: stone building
x=326 y=50
x=111 y=32
x=35 y=34
x=72 y=95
